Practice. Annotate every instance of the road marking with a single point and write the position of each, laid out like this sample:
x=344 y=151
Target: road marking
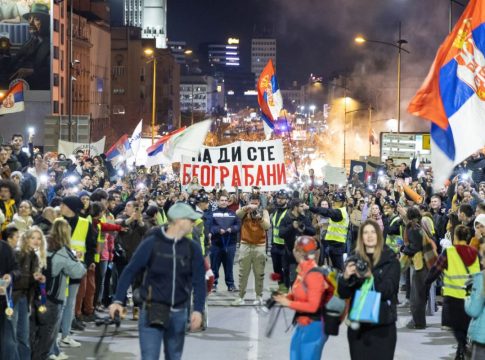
x=253 y=336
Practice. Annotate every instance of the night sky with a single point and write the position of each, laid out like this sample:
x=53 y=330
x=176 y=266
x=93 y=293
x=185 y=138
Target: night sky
x=316 y=36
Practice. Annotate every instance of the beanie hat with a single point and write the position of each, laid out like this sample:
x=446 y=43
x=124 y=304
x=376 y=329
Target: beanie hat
x=73 y=203
x=17 y=173
x=83 y=193
x=480 y=219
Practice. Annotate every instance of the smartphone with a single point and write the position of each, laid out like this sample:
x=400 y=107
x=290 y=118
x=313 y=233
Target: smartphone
x=64 y=163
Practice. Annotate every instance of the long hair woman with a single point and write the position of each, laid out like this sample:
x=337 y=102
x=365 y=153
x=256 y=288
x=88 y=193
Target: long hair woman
x=373 y=341
x=30 y=256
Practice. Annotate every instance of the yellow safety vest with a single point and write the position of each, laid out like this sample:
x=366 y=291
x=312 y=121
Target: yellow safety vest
x=456 y=275
x=392 y=240
x=276 y=228
x=100 y=240
x=337 y=231
x=78 y=237
x=164 y=217
x=199 y=223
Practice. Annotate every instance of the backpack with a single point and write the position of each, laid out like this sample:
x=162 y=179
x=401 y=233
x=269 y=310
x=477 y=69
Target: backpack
x=331 y=306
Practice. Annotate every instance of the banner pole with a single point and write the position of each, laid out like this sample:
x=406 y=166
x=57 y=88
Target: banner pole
x=290 y=142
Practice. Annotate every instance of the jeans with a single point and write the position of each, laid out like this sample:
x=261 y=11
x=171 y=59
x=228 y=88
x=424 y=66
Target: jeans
x=55 y=350
x=101 y=269
x=307 y=342
x=20 y=325
x=173 y=337
x=225 y=257
x=7 y=338
x=68 y=311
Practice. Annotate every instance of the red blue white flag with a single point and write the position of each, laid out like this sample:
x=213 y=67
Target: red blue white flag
x=453 y=95
x=13 y=101
x=269 y=97
x=120 y=151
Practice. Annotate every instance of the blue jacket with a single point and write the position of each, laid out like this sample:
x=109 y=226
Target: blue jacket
x=475 y=307
x=224 y=219
x=169 y=271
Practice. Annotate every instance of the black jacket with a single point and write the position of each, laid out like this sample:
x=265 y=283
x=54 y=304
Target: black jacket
x=386 y=281
x=160 y=256
x=289 y=233
x=8 y=265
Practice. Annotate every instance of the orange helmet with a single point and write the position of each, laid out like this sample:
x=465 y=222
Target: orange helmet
x=306 y=244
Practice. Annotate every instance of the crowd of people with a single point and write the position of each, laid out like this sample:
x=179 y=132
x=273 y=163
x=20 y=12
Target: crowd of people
x=78 y=234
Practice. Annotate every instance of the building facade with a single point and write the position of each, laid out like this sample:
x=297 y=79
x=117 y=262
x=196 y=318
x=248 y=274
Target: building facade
x=132 y=82
x=262 y=50
x=198 y=93
x=150 y=16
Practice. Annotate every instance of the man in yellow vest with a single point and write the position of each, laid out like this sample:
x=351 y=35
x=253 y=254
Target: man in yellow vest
x=278 y=246
x=252 y=252
x=392 y=226
x=458 y=263
x=83 y=242
x=336 y=237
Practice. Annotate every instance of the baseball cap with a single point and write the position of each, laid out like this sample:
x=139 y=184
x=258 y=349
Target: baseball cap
x=182 y=211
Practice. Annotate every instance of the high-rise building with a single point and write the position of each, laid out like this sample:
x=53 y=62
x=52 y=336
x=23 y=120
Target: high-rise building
x=262 y=49
x=150 y=16
x=222 y=56
x=177 y=48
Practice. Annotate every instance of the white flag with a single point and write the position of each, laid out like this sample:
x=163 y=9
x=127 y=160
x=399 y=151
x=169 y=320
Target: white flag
x=135 y=141
x=187 y=142
x=70 y=148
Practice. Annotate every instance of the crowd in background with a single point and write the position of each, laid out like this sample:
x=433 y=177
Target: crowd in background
x=71 y=225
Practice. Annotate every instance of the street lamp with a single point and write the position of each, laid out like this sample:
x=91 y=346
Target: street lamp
x=312 y=109
x=398 y=45
x=151 y=53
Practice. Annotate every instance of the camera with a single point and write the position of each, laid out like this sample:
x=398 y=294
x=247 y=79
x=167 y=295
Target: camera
x=360 y=264
x=257 y=214
x=270 y=303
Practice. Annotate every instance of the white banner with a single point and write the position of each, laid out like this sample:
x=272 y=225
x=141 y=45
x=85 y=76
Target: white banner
x=70 y=148
x=334 y=175
x=242 y=164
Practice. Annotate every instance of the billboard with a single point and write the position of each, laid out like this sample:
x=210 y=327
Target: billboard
x=25 y=43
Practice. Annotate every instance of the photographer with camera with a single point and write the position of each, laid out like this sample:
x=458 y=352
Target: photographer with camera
x=295 y=223
x=338 y=227
x=457 y=263
x=306 y=298
x=252 y=252
x=372 y=259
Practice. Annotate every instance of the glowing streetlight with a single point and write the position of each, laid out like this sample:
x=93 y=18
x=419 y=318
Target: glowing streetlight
x=150 y=52
x=399 y=46
x=188 y=52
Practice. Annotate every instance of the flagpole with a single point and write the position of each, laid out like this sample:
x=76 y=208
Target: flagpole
x=290 y=142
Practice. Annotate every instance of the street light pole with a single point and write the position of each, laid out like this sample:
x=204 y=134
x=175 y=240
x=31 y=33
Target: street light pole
x=154 y=96
x=399 y=45
x=370 y=129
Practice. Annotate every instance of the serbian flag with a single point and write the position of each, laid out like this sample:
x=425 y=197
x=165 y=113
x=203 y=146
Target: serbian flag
x=13 y=101
x=453 y=95
x=269 y=98
x=120 y=151
x=155 y=152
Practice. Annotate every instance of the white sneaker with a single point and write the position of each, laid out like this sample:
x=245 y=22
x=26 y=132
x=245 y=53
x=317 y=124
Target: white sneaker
x=69 y=342
x=238 y=302
x=259 y=301
x=62 y=356
x=53 y=357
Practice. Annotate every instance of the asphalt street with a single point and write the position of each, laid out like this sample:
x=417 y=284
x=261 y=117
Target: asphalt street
x=239 y=333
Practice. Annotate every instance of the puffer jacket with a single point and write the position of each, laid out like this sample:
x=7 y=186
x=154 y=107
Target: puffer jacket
x=223 y=218
x=475 y=308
